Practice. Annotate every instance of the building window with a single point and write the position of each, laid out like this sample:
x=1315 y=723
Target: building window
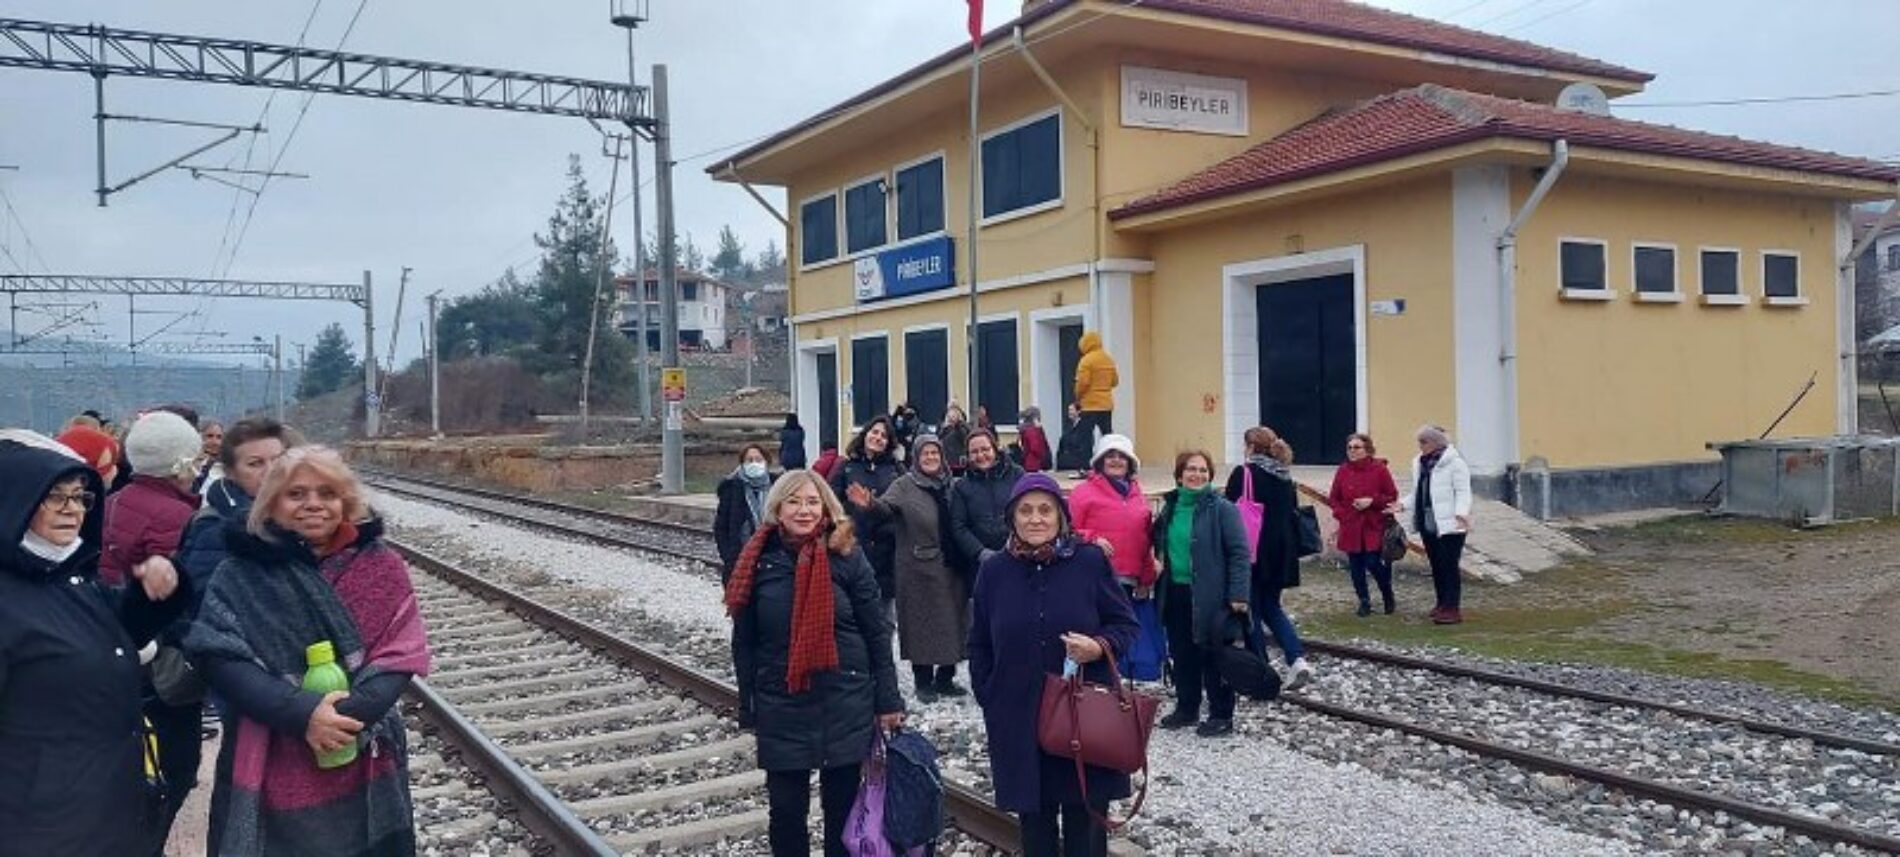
x=864 y=216
x=1893 y=258
x=1655 y=270
x=689 y=291
x=997 y=370
x=1583 y=264
x=818 y=227
x=1721 y=272
x=920 y=199
x=1022 y=166
x=1780 y=275
x=870 y=378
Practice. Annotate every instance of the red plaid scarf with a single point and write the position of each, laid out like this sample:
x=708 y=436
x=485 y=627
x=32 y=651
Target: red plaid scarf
x=813 y=646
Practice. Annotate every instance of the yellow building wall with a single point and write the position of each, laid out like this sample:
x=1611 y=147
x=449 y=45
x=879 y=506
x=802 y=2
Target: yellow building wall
x=1620 y=382
x=1406 y=232
x=953 y=312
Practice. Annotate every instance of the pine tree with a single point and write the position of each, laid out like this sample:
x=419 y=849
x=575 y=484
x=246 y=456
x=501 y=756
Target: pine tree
x=770 y=267
x=566 y=285
x=729 y=263
x=331 y=366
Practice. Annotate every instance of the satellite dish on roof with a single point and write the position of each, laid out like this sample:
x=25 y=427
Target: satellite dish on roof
x=1584 y=98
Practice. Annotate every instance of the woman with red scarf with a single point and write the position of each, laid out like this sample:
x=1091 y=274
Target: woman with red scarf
x=811 y=649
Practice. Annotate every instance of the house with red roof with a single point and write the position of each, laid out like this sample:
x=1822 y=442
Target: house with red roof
x=1325 y=217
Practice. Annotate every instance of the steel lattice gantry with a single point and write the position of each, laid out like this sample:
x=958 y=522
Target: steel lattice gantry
x=160 y=348
x=102 y=51
x=180 y=286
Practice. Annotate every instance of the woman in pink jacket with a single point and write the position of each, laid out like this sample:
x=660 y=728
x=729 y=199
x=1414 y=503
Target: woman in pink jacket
x=1111 y=512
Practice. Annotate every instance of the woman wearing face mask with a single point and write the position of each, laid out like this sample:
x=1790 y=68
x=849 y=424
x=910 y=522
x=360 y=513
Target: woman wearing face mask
x=70 y=747
x=1047 y=596
x=932 y=599
x=812 y=653
x=309 y=566
x=741 y=505
x=870 y=461
x=1204 y=563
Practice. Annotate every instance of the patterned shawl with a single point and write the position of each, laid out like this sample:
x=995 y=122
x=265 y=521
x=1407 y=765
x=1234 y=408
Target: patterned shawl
x=271 y=599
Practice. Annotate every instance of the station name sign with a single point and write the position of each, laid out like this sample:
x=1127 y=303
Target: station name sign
x=908 y=270
x=1178 y=101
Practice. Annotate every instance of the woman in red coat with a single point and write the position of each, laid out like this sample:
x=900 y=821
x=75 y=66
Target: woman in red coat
x=1362 y=489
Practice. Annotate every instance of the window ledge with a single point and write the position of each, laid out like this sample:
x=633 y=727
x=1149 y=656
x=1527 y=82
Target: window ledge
x=1657 y=297
x=1019 y=213
x=1795 y=301
x=1587 y=294
x=832 y=262
x=1725 y=300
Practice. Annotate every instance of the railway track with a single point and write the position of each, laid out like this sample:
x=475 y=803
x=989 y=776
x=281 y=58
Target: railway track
x=1678 y=782
x=603 y=746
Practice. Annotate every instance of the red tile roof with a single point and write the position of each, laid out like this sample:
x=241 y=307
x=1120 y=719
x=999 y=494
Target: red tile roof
x=1430 y=117
x=1337 y=18
x=1372 y=24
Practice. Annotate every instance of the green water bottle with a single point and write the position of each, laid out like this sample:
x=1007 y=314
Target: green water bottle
x=324 y=676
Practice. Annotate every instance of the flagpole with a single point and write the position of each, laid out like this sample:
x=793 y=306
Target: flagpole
x=976 y=164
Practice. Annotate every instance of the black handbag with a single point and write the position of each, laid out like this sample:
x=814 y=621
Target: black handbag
x=1310 y=542
x=1394 y=544
x=1243 y=666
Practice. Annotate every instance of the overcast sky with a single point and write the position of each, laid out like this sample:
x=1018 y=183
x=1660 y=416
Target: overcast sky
x=456 y=193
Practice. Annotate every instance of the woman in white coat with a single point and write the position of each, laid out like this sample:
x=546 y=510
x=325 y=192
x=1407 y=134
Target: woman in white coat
x=1440 y=508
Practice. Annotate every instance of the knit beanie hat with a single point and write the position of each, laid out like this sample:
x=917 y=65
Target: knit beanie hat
x=95 y=446
x=162 y=443
x=1033 y=482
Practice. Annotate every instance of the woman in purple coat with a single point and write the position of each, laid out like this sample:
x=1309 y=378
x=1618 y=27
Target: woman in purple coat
x=1045 y=596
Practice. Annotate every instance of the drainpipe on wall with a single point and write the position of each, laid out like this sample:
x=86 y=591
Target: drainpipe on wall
x=1507 y=312
x=1095 y=152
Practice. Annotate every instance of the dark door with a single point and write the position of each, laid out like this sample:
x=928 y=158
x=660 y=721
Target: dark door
x=1069 y=349
x=828 y=396
x=927 y=373
x=1308 y=386
x=870 y=379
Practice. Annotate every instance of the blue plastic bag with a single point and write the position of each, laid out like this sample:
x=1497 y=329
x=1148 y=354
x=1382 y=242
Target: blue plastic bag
x=1144 y=659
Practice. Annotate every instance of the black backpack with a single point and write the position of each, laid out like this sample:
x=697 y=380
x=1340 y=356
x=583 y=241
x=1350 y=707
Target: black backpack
x=913 y=791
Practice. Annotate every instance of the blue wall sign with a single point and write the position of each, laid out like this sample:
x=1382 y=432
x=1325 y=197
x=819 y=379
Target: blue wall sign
x=908 y=270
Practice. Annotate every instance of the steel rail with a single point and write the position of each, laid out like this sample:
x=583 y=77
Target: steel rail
x=971 y=813
x=1752 y=724
x=536 y=807
x=539 y=503
x=1677 y=796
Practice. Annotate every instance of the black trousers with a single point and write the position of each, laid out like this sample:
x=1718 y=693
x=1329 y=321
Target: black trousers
x=1194 y=671
x=788 y=794
x=928 y=676
x=1444 y=552
x=1092 y=420
x=180 y=750
x=1066 y=831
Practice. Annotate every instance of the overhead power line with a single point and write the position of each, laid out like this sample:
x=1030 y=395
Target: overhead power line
x=250 y=146
x=1769 y=99
x=1549 y=15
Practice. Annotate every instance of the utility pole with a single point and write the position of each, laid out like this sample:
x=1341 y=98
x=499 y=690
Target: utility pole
x=629 y=17
x=277 y=353
x=435 y=369
x=372 y=402
x=673 y=441
x=603 y=274
x=395 y=329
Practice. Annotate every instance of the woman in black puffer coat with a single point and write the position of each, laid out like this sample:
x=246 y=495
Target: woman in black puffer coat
x=71 y=764
x=871 y=461
x=979 y=503
x=813 y=661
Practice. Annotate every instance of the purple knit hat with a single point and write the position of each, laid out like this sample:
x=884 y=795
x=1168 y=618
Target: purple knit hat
x=1037 y=482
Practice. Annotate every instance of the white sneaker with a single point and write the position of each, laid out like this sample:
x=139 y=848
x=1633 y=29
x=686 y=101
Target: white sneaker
x=1299 y=674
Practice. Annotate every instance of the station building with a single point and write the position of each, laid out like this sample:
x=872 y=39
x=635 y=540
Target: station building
x=1324 y=217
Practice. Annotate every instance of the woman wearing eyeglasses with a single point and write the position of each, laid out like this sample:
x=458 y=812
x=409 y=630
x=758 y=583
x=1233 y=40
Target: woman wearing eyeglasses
x=72 y=770
x=1362 y=489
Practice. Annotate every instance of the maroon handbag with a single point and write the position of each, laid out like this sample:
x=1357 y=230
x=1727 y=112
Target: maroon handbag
x=1102 y=725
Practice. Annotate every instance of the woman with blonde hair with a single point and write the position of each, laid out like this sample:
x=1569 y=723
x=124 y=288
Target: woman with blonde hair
x=1276 y=565
x=309 y=567
x=811 y=649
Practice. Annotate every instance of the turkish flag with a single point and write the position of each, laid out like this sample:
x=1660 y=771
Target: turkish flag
x=976 y=20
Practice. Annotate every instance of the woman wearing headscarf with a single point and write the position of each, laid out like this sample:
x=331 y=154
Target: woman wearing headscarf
x=1276 y=566
x=1204 y=581
x=933 y=613
x=1440 y=507
x=741 y=505
x=74 y=776
x=812 y=653
x=309 y=566
x=870 y=460
x=1046 y=597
